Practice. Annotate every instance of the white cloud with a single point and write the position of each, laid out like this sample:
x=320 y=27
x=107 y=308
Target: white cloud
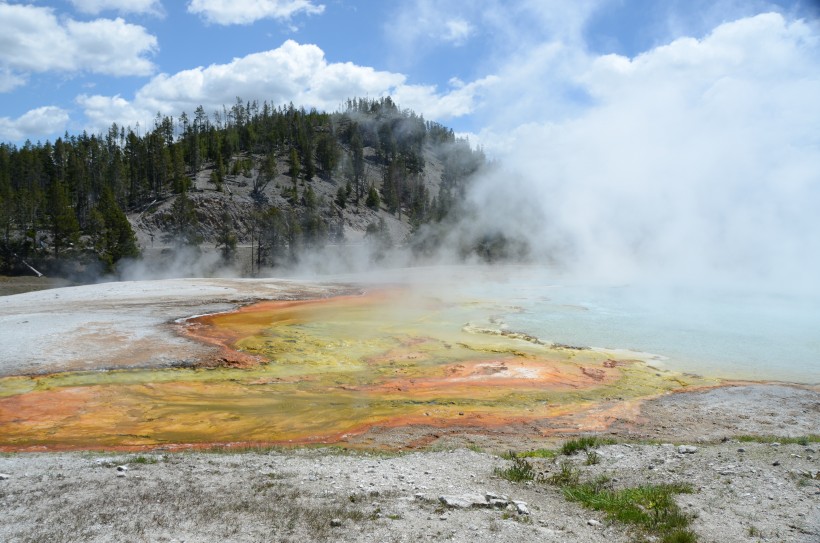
x=94 y=7
x=461 y=100
x=42 y=121
x=696 y=158
x=34 y=40
x=417 y=27
x=291 y=73
x=457 y=31
x=231 y=12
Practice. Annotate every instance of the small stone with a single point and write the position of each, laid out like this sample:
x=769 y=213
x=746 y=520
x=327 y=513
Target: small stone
x=522 y=508
x=741 y=450
x=4 y=476
x=335 y=522
x=776 y=463
x=489 y=496
x=593 y=522
x=687 y=449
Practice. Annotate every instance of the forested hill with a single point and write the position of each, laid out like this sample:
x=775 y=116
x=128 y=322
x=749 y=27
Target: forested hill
x=258 y=184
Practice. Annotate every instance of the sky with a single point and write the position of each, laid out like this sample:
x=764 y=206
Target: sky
x=78 y=65
x=683 y=134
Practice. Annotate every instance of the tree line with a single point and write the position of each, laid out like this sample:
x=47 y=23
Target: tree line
x=66 y=201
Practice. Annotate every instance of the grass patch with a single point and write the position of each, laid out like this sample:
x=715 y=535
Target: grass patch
x=585 y=443
x=521 y=470
x=799 y=440
x=567 y=476
x=592 y=458
x=539 y=453
x=650 y=508
x=142 y=460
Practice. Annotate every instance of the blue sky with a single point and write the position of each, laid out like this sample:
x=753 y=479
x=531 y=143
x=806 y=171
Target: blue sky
x=81 y=64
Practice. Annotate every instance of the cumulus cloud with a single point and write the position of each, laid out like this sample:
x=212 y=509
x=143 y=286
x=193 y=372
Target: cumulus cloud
x=35 y=40
x=696 y=158
x=294 y=72
x=242 y=12
x=42 y=121
x=94 y=7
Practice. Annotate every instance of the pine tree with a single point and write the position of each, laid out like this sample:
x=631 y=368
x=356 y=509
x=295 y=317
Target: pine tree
x=373 y=201
x=65 y=229
x=226 y=236
x=183 y=224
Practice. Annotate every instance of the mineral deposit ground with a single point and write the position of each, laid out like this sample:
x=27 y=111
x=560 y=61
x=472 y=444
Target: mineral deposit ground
x=310 y=414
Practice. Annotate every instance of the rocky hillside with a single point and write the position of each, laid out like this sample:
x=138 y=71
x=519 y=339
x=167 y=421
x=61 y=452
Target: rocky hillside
x=278 y=182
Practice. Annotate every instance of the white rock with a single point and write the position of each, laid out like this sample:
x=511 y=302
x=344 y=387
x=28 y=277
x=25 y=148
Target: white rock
x=593 y=522
x=122 y=468
x=522 y=508
x=4 y=476
x=465 y=501
x=687 y=449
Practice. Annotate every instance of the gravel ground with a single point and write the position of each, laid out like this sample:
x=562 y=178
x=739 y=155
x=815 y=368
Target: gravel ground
x=765 y=492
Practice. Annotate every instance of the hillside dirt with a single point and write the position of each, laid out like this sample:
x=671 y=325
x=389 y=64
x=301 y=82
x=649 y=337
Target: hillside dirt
x=236 y=198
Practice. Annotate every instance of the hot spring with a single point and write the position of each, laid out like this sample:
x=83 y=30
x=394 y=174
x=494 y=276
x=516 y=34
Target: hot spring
x=439 y=350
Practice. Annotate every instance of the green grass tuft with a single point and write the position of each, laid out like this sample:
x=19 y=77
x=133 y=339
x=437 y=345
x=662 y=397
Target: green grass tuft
x=799 y=440
x=539 y=453
x=521 y=470
x=142 y=460
x=567 y=476
x=585 y=443
x=651 y=508
x=592 y=458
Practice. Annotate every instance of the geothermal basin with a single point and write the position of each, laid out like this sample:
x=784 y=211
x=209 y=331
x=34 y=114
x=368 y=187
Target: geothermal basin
x=204 y=362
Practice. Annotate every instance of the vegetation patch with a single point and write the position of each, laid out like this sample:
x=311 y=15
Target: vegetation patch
x=143 y=460
x=798 y=440
x=520 y=470
x=585 y=443
x=539 y=453
x=650 y=508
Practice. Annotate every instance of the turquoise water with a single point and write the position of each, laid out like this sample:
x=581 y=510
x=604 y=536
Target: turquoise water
x=730 y=331
x=727 y=332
